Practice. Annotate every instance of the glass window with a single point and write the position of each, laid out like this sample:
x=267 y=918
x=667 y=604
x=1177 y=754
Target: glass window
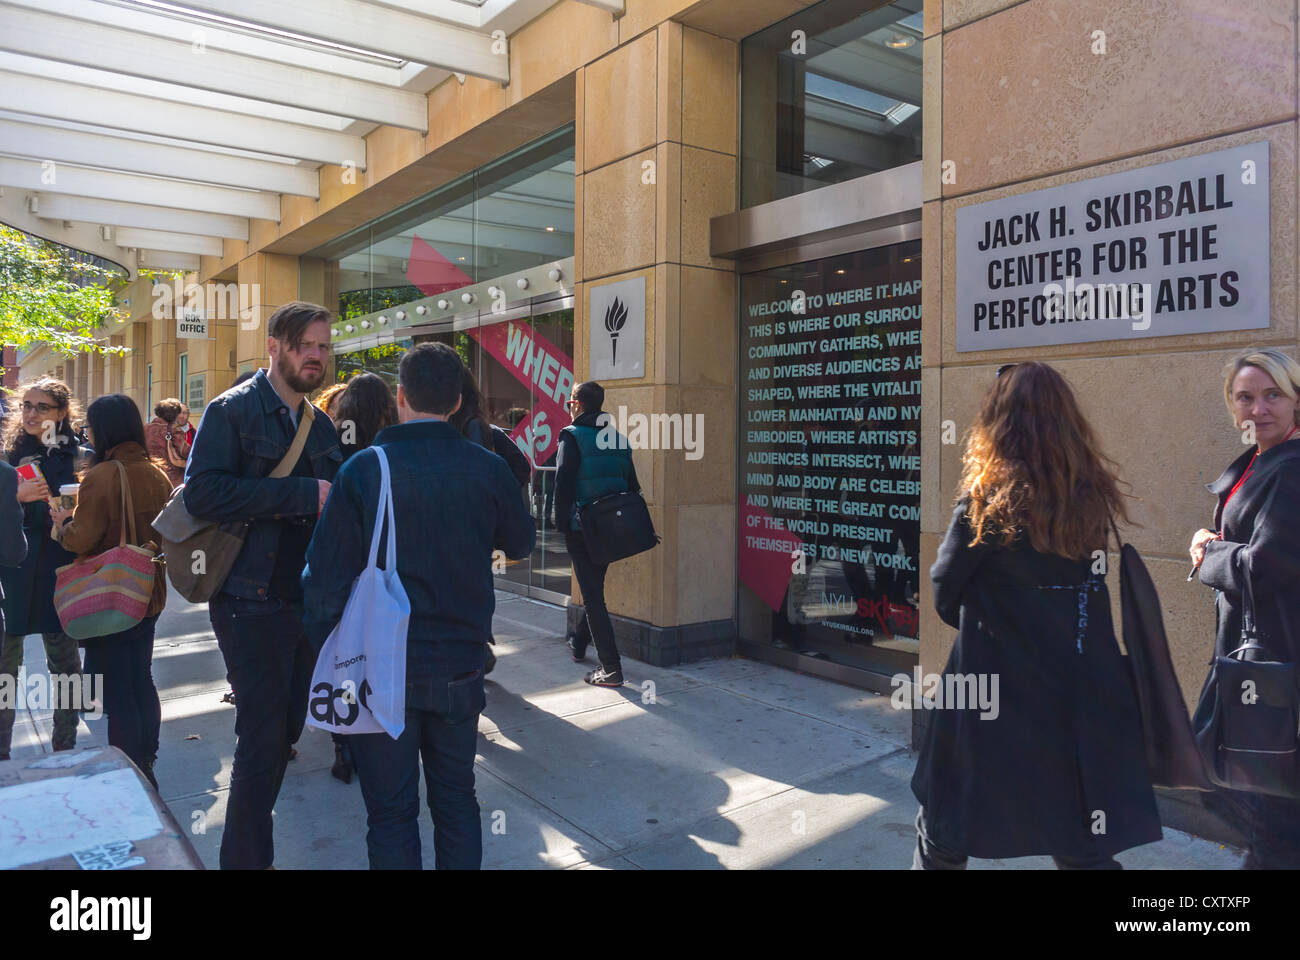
x=839 y=99
x=504 y=217
x=829 y=455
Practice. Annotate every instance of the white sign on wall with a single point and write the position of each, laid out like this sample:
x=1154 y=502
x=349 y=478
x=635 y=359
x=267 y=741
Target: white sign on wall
x=190 y=323
x=617 y=322
x=1174 y=248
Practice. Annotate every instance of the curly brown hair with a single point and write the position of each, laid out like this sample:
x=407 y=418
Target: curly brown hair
x=59 y=391
x=1032 y=465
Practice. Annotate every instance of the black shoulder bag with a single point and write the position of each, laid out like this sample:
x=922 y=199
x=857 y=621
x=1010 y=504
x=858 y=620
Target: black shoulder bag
x=1249 y=715
x=616 y=527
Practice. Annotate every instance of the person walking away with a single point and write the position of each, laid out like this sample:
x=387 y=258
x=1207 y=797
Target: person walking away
x=1257 y=535
x=235 y=474
x=1045 y=755
x=40 y=442
x=454 y=503
x=474 y=425
x=586 y=471
x=124 y=660
x=359 y=409
x=167 y=438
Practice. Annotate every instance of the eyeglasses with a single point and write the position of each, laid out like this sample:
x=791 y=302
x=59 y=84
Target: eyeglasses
x=572 y=403
x=29 y=407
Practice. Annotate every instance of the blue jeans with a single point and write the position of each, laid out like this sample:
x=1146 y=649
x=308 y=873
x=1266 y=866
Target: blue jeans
x=442 y=727
x=125 y=661
x=269 y=661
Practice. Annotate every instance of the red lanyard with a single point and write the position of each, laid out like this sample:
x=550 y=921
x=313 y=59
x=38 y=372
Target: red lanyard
x=1250 y=467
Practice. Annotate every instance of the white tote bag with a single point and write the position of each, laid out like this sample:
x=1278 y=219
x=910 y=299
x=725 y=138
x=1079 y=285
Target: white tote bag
x=359 y=684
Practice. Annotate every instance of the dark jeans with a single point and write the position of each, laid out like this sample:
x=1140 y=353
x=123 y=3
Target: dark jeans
x=62 y=659
x=591 y=581
x=442 y=728
x=930 y=856
x=125 y=662
x=269 y=661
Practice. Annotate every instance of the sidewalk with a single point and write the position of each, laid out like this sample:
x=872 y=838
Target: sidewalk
x=723 y=763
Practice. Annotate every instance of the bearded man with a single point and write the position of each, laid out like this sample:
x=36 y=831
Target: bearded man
x=264 y=457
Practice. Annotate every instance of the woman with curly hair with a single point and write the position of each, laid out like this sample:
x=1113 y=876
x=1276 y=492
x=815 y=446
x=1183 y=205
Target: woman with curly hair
x=1034 y=745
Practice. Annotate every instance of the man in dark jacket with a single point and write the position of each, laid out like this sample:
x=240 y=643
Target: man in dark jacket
x=454 y=502
x=13 y=542
x=257 y=615
x=586 y=470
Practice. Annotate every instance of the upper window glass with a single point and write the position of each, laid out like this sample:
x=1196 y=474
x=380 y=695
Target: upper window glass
x=830 y=94
x=514 y=213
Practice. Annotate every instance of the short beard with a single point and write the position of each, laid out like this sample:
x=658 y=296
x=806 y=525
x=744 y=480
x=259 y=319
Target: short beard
x=294 y=380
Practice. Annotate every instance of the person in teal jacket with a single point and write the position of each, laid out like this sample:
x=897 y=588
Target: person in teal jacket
x=586 y=471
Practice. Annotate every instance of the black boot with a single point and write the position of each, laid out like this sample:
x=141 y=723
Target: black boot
x=147 y=769
x=343 y=766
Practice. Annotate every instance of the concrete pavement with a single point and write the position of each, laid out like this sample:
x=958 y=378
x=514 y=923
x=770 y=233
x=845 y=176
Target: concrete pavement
x=719 y=764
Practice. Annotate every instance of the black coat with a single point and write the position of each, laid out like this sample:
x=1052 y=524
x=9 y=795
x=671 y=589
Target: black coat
x=29 y=589
x=1261 y=534
x=13 y=542
x=1066 y=743
x=1261 y=530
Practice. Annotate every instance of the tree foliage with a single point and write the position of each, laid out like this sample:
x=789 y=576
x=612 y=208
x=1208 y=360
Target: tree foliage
x=52 y=294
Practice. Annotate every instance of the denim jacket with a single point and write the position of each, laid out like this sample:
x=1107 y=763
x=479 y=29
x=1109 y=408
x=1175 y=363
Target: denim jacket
x=243 y=435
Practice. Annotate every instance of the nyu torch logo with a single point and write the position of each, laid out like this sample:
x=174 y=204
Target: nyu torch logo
x=615 y=318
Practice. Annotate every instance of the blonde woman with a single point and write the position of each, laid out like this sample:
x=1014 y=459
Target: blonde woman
x=1257 y=535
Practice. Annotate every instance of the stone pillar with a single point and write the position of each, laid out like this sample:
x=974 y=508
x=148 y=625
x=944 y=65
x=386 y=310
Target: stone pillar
x=266 y=281
x=656 y=159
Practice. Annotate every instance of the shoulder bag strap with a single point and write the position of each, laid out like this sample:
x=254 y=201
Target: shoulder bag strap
x=128 y=506
x=384 y=508
x=1248 y=625
x=285 y=466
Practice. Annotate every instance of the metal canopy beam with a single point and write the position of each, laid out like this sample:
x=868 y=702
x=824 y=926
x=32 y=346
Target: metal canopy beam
x=53 y=206
x=61 y=100
x=40 y=142
x=204 y=35
x=163 y=240
x=123 y=51
x=396 y=33
x=49 y=177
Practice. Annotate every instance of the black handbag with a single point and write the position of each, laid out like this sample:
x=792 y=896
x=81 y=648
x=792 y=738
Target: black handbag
x=1173 y=759
x=1248 y=717
x=616 y=527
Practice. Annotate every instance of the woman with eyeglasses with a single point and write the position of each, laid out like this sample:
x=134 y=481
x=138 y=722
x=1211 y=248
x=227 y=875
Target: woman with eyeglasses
x=40 y=442
x=1256 y=535
x=1034 y=745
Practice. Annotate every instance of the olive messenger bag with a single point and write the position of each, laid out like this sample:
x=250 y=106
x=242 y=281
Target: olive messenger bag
x=201 y=553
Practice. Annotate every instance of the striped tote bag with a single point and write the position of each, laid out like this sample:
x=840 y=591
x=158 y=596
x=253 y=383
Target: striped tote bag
x=110 y=592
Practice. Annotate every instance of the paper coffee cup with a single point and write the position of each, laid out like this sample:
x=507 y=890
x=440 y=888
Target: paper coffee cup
x=68 y=495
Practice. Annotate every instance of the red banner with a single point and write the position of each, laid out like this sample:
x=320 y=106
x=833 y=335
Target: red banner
x=545 y=369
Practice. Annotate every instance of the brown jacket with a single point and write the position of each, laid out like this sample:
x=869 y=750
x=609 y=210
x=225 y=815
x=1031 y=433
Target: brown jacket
x=96 y=525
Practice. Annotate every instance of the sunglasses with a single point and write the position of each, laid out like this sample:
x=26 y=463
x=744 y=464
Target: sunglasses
x=1005 y=367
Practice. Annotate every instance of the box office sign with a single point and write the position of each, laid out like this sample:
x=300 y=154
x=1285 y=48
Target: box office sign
x=1174 y=248
x=191 y=324
x=617 y=322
